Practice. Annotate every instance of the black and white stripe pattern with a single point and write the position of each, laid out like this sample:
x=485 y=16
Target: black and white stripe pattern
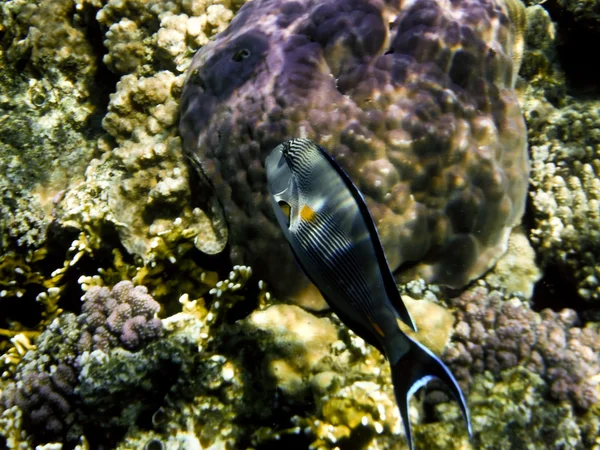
x=332 y=253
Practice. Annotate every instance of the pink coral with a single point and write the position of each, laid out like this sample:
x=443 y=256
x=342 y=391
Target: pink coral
x=122 y=316
x=496 y=334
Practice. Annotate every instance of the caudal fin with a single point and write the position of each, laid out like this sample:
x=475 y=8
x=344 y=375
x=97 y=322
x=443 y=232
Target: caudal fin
x=414 y=370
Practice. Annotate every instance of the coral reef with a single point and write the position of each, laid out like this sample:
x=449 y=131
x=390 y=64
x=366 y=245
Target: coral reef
x=45 y=400
x=421 y=114
x=517 y=272
x=583 y=11
x=50 y=388
x=94 y=189
x=105 y=175
x=564 y=139
x=495 y=334
x=43 y=387
x=142 y=180
x=47 y=71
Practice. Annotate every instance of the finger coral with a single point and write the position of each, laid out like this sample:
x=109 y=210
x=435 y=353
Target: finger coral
x=46 y=401
x=50 y=382
x=122 y=316
x=414 y=100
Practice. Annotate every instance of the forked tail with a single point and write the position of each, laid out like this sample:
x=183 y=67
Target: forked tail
x=414 y=370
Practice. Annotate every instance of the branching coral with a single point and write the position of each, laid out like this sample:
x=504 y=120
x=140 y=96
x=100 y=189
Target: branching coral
x=47 y=388
x=46 y=401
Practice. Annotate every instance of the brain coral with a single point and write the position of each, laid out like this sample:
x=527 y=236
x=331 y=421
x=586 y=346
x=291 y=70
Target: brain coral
x=414 y=99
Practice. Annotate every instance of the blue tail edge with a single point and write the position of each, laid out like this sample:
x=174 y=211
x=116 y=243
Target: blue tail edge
x=414 y=370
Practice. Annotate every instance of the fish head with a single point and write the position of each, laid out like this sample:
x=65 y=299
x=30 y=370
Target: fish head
x=281 y=185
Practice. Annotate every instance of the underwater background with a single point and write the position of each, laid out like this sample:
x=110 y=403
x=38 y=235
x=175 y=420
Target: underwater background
x=135 y=314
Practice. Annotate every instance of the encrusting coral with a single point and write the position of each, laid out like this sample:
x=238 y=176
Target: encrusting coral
x=511 y=411
x=47 y=70
x=415 y=101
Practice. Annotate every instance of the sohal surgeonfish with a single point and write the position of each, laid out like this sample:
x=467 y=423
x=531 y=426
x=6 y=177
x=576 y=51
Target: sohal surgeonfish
x=334 y=239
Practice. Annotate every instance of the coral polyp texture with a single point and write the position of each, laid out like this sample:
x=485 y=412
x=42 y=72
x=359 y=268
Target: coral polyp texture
x=53 y=389
x=414 y=100
x=495 y=334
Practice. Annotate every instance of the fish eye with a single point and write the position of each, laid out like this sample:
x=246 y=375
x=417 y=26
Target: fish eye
x=286 y=210
x=240 y=55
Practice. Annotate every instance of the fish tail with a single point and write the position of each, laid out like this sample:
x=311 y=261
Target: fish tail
x=413 y=370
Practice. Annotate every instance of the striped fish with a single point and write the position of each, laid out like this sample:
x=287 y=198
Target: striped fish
x=334 y=239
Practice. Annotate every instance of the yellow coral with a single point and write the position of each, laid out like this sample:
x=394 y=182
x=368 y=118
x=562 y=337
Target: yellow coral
x=21 y=345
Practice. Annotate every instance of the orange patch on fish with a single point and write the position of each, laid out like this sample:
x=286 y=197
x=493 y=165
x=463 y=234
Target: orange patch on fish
x=307 y=213
x=377 y=327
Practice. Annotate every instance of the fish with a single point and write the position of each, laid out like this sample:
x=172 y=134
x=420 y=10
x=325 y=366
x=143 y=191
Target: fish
x=333 y=238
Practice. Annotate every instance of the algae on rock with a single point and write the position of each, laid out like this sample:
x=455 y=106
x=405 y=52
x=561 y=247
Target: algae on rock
x=48 y=108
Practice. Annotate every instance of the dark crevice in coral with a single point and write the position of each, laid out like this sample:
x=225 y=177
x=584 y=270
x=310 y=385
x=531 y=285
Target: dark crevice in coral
x=577 y=55
x=288 y=441
x=105 y=436
x=528 y=221
x=434 y=394
x=105 y=81
x=103 y=257
x=557 y=291
x=260 y=404
x=244 y=308
x=24 y=310
x=279 y=423
x=359 y=438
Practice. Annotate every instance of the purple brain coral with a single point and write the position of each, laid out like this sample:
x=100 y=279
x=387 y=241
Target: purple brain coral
x=414 y=99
